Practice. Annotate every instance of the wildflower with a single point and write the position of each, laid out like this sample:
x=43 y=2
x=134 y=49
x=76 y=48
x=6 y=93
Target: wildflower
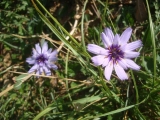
x=42 y=59
x=116 y=54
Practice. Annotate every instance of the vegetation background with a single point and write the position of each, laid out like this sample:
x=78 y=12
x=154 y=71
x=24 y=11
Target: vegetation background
x=77 y=90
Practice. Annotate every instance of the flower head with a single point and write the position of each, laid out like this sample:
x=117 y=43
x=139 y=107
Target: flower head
x=42 y=59
x=116 y=54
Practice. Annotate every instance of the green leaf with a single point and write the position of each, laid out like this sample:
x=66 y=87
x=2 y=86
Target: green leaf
x=20 y=79
x=112 y=112
x=44 y=112
x=151 y=25
x=88 y=99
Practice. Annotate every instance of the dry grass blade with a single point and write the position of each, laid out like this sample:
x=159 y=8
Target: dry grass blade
x=11 y=87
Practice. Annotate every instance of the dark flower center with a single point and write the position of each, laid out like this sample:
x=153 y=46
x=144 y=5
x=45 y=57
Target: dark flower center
x=115 y=53
x=41 y=59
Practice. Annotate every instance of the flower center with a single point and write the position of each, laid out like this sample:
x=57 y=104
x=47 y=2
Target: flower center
x=41 y=59
x=115 y=53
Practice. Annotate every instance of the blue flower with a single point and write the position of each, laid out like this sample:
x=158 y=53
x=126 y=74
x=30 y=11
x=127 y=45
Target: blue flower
x=42 y=59
x=116 y=54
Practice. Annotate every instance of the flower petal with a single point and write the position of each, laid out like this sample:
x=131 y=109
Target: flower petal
x=108 y=70
x=41 y=64
x=125 y=36
x=97 y=49
x=41 y=70
x=30 y=60
x=131 y=64
x=133 y=45
x=49 y=51
x=34 y=68
x=105 y=62
x=98 y=60
x=120 y=72
x=109 y=33
x=52 y=59
x=38 y=73
x=123 y=64
x=51 y=65
x=116 y=40
x=47 y=71
x=34 y=53
x=54 y=67
x=130 y=54
x=38 y=48
x=53 y=56
x=45 y=47
x=106 y=40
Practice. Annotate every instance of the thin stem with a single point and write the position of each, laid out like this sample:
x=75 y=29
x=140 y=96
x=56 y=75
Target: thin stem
x=135 y=86
x=82 y=25
x=153 y=41
x=66 y=76
x=103 y=83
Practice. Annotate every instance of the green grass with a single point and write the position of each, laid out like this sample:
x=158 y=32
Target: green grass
x=78 y=89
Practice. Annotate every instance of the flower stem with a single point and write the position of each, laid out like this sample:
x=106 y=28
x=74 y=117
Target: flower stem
x=135 y=86
x=103 y=83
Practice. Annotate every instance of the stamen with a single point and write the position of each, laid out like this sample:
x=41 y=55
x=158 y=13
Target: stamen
x=115 y=53
x=41 y=59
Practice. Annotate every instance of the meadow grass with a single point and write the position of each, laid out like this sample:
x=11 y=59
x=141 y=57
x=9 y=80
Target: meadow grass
x=77 y=90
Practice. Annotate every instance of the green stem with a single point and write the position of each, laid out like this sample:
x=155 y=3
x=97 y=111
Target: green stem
x=103 y=83
x=135 y=86
x=153 y=40
x=82 y=25
x=66 y=76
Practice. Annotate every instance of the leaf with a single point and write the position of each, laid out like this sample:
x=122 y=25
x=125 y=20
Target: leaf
x=151 y=25
x=20 y=79
x=88 y=99
x=44 y=112
x=112 y=112
x=147 y=38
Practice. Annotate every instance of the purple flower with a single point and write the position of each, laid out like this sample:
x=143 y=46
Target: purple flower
x=116 y=54
x=42 y=59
